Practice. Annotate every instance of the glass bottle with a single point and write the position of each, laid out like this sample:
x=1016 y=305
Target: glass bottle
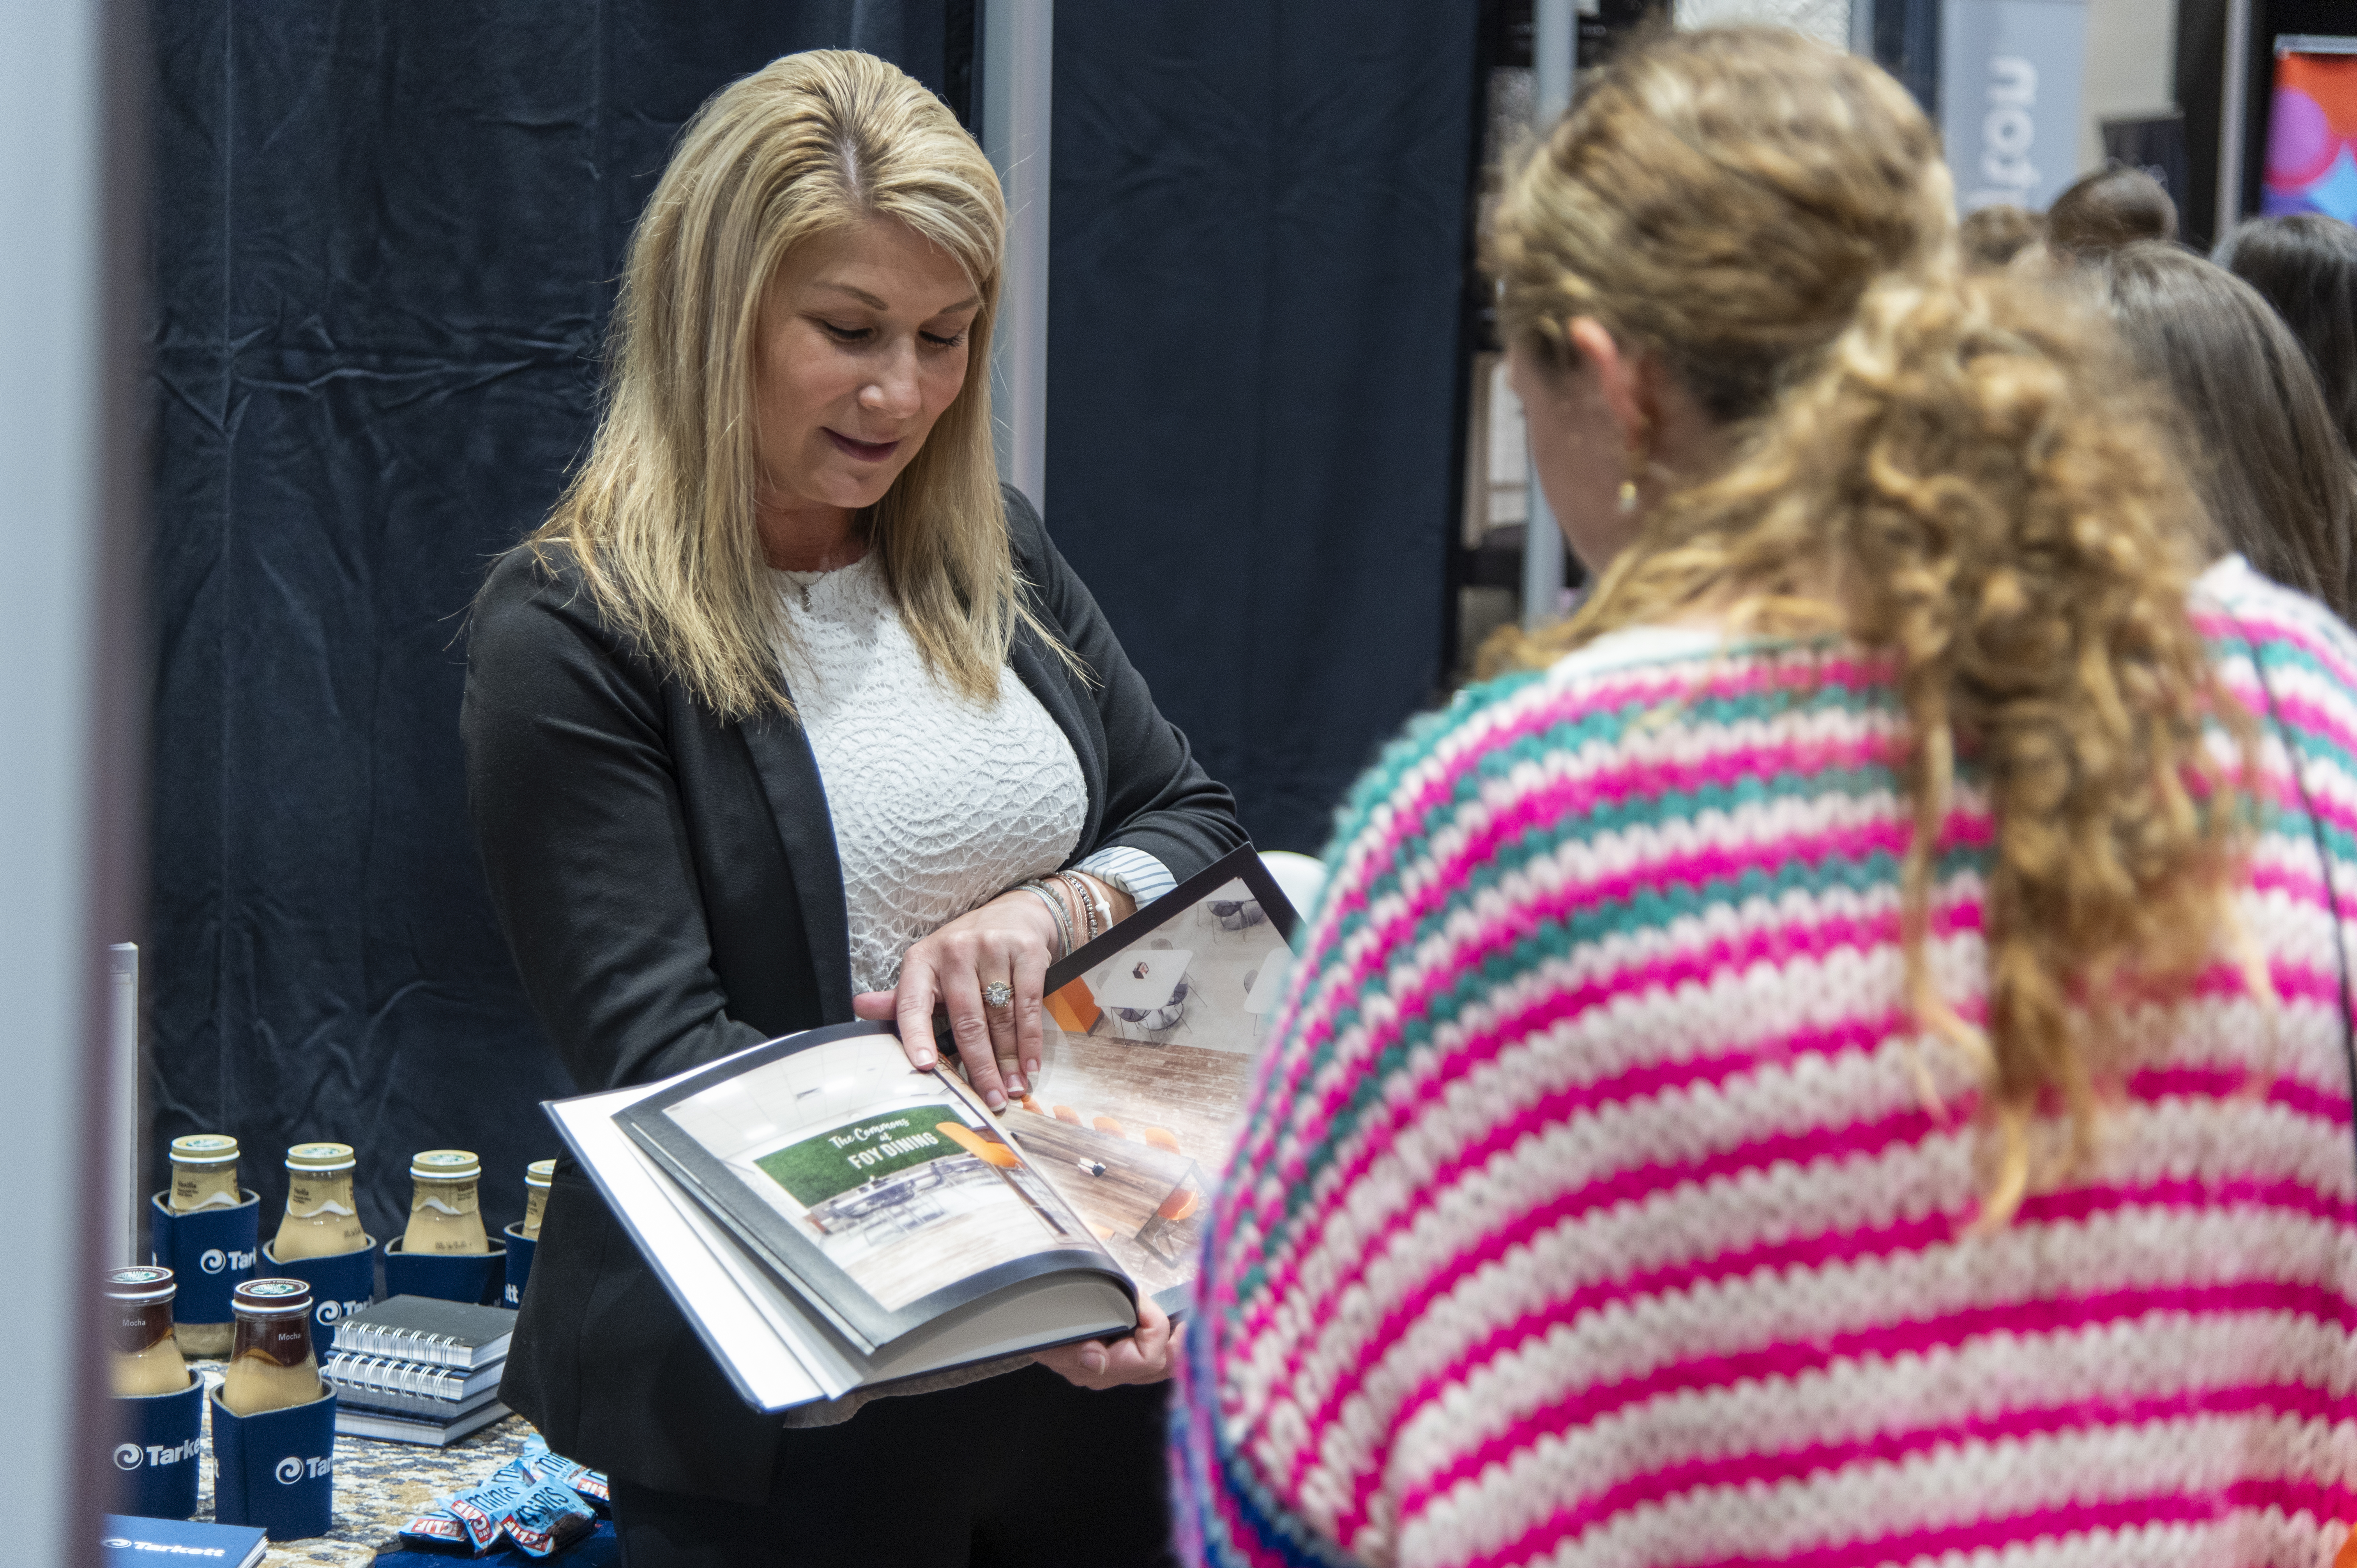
x=536 y=1177
x=204 y=1172
x=445 y=1211
x=204 y=1176
x=272 y=1367
x=145 y=1358
x=322 y=1219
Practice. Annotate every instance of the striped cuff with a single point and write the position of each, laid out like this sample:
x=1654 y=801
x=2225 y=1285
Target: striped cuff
x=1134 y=871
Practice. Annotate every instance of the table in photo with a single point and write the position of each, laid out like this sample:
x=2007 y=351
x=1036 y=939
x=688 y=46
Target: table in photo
x=1124 y=986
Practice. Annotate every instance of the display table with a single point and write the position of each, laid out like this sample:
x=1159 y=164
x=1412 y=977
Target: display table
x=378 y=1486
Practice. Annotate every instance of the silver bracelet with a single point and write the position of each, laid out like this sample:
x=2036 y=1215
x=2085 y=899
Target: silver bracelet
x=1081 y=895
x=1055 y=908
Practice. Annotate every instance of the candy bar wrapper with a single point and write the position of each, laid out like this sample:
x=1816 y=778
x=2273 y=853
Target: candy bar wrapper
x=439 y=1530
x=483 y=1510
x=523 y=1470
x=552 y=1518
x=586 y=1484
x=591 y=1485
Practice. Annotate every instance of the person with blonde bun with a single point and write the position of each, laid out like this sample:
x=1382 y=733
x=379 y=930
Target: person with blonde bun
x=788 y=714
x=1843 y=1057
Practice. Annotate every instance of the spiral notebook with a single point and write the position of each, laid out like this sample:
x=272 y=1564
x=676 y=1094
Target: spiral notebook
x=435 y=1333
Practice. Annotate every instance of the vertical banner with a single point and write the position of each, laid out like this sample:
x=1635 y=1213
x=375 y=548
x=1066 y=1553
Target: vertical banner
x=2009 y=74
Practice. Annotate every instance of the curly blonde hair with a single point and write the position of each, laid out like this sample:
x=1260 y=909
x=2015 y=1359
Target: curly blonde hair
x=1963 y=473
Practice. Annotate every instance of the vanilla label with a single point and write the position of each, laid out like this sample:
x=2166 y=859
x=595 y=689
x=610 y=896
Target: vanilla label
x=308 y=1200
x=452 y=1198
x=192 y=1193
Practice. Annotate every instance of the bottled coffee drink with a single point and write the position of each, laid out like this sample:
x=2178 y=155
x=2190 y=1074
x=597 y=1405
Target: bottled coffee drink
x=143 y=1357
x=204 y=1176
x=272 y=1366
x=204 y=1172
x=445 y=1211
x=536 y=1177
x=322 y=1219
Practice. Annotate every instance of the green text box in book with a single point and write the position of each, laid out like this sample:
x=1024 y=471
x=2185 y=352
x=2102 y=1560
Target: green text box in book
x=851 y=1155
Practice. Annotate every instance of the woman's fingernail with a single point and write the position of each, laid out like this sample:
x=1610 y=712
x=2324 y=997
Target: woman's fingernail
x=1032 y=1066
x=997 y=1100
x=1017 y=1085
x=1093 y=1360
x=924 y=1059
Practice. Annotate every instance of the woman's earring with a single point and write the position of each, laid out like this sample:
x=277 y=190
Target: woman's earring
x=1628 y=496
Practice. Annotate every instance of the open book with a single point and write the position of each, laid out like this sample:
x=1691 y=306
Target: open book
x=830 y=1219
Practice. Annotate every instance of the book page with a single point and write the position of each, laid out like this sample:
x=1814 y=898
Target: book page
x=1148 y=1056
x=892 y=1180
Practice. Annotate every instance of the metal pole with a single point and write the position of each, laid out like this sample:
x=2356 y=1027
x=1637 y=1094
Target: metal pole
x=2232 y=107
x=123 y=1130
x=56 y=412
x=1553 y=39
x=1017 y=79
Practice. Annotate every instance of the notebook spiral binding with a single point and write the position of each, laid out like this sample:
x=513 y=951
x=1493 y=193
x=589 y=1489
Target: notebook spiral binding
x=386 y=1374
x=403 y=1345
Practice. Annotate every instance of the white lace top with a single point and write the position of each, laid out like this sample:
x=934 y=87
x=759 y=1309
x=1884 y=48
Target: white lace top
x=937 y=803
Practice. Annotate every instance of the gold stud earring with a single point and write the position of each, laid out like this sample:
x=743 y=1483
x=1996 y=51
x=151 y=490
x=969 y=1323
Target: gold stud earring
x=1628 y=496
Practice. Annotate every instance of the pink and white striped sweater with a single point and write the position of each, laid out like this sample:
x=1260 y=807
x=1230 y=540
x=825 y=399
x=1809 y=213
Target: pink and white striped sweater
x=1589 y=1211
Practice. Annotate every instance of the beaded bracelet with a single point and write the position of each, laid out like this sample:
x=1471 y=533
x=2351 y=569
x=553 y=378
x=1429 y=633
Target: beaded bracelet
x=1084 y=898
x=1102 y=904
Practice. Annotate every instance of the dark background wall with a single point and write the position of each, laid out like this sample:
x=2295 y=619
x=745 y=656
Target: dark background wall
x=386 y=236
x=1259 y=222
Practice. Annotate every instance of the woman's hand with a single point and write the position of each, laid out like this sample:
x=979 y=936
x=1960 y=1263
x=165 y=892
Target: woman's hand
x=1008 y=940
x=1143 y=1358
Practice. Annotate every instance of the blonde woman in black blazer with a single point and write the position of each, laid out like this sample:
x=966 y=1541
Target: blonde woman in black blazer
x=799 y=383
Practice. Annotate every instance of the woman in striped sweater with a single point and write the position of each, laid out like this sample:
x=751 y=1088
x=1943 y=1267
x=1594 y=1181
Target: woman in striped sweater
x=1843 y=1061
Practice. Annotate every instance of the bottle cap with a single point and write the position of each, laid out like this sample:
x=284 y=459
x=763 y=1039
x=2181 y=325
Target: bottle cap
x=540 y=1172
x=204 y=1149
x=142 y=1284
x=320 y=1157
x=271 y=1298
x=445 y=1164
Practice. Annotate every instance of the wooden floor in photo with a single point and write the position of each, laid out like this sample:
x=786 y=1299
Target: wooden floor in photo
x=1196 y=1095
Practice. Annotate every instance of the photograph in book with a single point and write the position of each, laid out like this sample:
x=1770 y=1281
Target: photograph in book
x=1149 y=1040
x=889 y=1174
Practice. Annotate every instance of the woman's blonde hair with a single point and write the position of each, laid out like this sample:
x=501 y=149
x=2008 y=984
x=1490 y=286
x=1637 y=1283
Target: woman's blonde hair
x=1959 y=473
x=660 y=518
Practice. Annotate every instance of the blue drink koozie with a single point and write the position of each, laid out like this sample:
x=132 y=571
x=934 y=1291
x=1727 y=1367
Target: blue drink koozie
x=276 y=1470
x=457 y=1276
x=152 y=1451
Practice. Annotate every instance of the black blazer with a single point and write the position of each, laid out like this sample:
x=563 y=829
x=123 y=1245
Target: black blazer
x=668 y=885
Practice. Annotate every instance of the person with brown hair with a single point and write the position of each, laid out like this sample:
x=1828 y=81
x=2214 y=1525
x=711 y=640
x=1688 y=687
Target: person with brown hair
x=1843 y=1058
x=2108 y=208
x=2271 y=468
x=790 y=713
x=1992 y=236
x=2305 y=265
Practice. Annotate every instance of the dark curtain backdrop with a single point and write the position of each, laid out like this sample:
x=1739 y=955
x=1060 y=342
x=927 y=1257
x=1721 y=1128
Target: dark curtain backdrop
x=385 y=239
x=1258 y=232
